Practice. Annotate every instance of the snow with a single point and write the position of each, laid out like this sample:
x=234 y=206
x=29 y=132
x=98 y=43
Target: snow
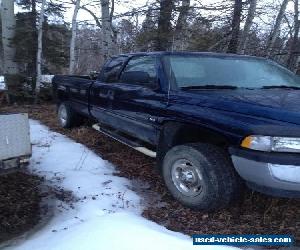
x=2 y=83
x=47 y=78
x=106 y=214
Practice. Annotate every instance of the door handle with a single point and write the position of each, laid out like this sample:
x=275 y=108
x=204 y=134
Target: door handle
x=152 y=119
x=111 y=94
x=108 y=95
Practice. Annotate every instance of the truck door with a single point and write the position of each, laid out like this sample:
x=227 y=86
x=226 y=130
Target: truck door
x=78 y=93
x=138 y=102
x=101 y=94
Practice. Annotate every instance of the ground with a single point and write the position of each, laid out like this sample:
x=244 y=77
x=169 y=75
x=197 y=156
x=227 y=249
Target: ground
x=19 y=202
x=255 y=214
x=99 y=209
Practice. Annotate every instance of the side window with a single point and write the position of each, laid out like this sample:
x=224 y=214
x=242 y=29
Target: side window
x=112 y=69
x=142 y=65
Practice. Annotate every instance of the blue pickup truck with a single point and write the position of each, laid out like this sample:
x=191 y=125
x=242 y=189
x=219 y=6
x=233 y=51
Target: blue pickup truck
x=214 y=122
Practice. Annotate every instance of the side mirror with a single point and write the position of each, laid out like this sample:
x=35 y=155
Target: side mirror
x=93 y=75
x=135 y=77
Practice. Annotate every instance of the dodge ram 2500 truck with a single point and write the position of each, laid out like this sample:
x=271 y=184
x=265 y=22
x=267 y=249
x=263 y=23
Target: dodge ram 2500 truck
x=213 y=121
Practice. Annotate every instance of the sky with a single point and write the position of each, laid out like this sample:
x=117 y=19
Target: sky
x=265 y=21
x=121 y=6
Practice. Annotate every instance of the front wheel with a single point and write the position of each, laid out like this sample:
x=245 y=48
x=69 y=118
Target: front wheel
x=201 y=176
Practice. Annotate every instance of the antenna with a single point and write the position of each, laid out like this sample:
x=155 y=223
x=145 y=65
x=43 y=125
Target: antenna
x=169 y=81
x=172 y=47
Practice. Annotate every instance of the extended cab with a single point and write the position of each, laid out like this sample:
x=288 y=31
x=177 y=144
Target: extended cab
x=213 y=121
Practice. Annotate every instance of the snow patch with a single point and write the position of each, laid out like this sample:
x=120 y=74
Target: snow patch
x=2 y=83
x=47 y=78
x=107 y=213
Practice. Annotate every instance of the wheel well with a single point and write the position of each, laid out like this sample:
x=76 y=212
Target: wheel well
x=190 y=134
x=176 y=133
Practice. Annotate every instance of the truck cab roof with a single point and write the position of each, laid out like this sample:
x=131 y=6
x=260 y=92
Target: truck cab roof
x=189 y=53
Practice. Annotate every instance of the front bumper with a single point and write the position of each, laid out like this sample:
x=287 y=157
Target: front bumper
x=276 y=174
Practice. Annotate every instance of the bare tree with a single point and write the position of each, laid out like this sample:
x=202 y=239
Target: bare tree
x=276 y=30
x=181 y=25
x=32 y=67
x=109 y=33
x=164 y=25
x=1 y=63
x=292 y=58
x=247 y=27
x=106 y=29
x=183 y=15
x=73 y=37
x=235 y=27
x=8 y=32
x=39 y=51
x=114 y=32
x=93 y=15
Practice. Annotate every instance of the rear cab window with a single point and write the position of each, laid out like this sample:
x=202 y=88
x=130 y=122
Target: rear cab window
x=146 y=65
x=111 y=69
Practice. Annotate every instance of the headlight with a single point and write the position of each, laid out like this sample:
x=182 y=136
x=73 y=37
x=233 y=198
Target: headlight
x=269 y=143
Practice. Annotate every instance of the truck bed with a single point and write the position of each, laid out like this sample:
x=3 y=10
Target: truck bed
x=74 y=89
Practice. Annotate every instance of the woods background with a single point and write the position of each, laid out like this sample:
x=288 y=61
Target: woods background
x=39 y=38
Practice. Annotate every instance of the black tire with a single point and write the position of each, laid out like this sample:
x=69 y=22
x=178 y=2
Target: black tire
x=220 y=184
x=67 y=117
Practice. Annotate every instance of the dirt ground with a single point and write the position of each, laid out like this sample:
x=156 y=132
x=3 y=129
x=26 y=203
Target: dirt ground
x=255 y=214
x=20 y=201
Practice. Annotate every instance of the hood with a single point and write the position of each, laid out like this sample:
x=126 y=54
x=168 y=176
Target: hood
x=277 y=104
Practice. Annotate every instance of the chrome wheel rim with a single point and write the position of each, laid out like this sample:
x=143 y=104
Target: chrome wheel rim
x=62 y=114
x=187 y=178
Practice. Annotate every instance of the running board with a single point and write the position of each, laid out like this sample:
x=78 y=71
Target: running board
x=125 y=141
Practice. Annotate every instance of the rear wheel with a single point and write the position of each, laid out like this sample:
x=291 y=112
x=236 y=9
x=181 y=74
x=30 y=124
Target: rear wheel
x=67 y=118
x=201 y=176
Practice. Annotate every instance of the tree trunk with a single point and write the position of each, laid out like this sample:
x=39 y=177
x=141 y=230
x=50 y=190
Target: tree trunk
x=235 y=27
x=8 y=32
x=114 y=32
x=181 y=25
x=32 y=66
x=73 y=37
x=275 y=32
x=292 y=58
x=248 y=24
x=39 y=51
x=106 y=29
x=164 y=25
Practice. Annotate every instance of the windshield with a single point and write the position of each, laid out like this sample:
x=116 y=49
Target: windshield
x=197 y=71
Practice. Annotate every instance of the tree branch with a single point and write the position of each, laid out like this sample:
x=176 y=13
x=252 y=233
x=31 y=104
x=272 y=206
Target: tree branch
x=93 y=15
